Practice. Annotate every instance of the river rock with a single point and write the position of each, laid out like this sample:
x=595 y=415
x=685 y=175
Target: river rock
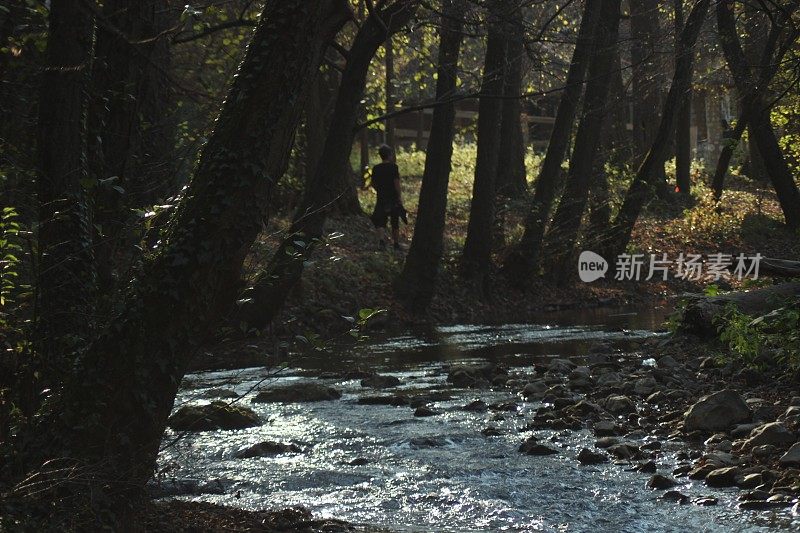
x=606 y=428
x=722 y=477
x=560 y=366
x=625 y=450
x=644 y=387
x=609 y=379
x=791 y=457
x=539 y=449
x=717 y=412
x=661 y=482
x=268 y=449
x=648 y=467
x=620 y=405
x=473 y=376
x=534 y=390
x=751 y=481
x=588 y=457
x=667 y=362
x=218 y=393
x=211 y=416
x=701 y=472
x=584 y=408
x=531 y=446
x=298 y=392
x=509 y=406
x=743 y=430
x=675 y=496
x=377 y=381
x=774 y=433
x=491 y=431
x=476 y=406
x=427 y=442
x=394 y=400
x=424 y=410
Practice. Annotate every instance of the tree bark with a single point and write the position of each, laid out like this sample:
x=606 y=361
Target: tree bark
x=111 y=416
x=66 y=276
x=390 y=100
x=511 y=174
x=476 y=257
x=646 y=177
x=266 y=297
x=646 y=70
x=760 y=126
x=755 y=21
x=523 y=260
x=683 y=142
x=417 y=282
x=131 y=129
x=563 y=233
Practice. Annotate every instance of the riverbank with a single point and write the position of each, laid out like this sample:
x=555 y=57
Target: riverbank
x=190 y=517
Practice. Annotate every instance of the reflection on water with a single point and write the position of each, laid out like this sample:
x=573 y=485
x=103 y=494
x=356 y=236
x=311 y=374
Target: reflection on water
x=381 y=465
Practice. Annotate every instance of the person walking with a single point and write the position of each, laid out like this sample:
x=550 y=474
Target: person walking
x=389 y=205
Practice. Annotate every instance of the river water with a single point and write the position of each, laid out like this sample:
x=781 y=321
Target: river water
x=441 y=473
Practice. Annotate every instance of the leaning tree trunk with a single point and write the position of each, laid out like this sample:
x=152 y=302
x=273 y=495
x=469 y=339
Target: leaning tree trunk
x=759 y=124
x=683 y=141
x=417 y=283
x=268 y=294
x=619 y=233
x=65 y=278
x=523 y=260
x=111 y=416
x=750 y=104
x=563 y=234
x=476 y=258
x=511 y=175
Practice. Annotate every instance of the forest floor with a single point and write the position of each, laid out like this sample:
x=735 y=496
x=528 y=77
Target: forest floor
x=350 y=273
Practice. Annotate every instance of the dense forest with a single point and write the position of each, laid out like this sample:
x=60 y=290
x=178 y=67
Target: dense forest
x=225 y=184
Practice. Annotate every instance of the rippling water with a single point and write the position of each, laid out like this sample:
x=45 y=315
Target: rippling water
x=439 y=473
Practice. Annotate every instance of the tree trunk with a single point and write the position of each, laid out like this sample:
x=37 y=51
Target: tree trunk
x=755 y=21
x=131 y=128
x=760 y=126
x=112 y=414
x=563 y=233
x=417 y=283
x=511 y=174
x=390 y=103
x=66 y=277
x=476 y=258
x=646 y=73
x=683 y=141
x=318 y=117
x=523 y=259
x=643 y=184
x=771 y=57
x=700 y=316
x=268 y=294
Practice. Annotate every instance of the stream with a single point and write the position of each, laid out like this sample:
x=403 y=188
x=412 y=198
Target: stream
x=380 y=465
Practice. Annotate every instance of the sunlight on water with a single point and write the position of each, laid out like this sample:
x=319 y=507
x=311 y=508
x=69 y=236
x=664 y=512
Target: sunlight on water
x=437 y=473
